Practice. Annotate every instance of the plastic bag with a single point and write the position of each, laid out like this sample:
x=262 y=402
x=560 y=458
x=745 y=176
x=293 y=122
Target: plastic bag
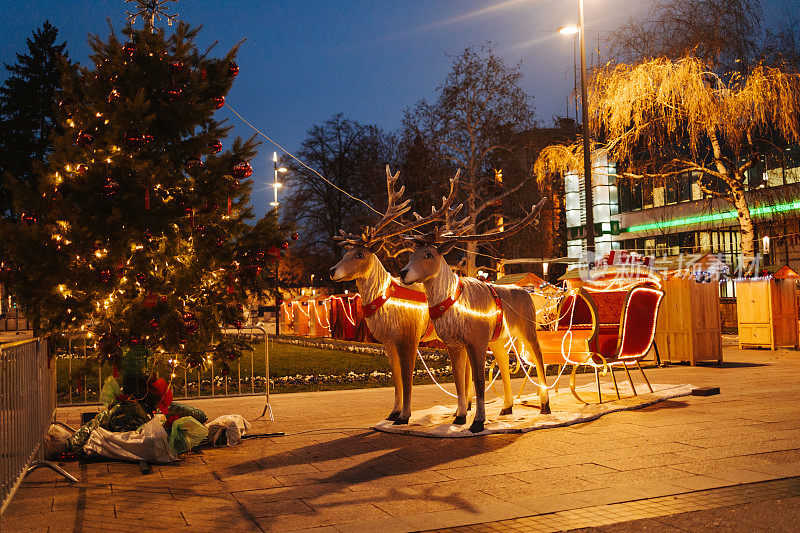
x=55 y=442
x=227 y=430
x=127 y=415
x=186 y=434
x=148 y=443
x=181 y=410
x=76 y=442
x=110 y=391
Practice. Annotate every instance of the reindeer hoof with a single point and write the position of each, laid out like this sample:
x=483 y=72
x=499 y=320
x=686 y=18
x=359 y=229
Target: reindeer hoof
x=507 y=410
x=545 y=410
x=400 y=421
x=476 y=427
x=460 y=420
x=394 y=415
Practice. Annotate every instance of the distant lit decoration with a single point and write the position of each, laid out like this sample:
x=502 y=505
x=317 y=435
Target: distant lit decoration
x=130 y=49
x=176 y=66
x=110 y=187
x=233 y=70
x=28 y=218
x=133 y=140
x=219 y=102
x=82 y=168
x=216 y=146
x=242 y=170
x=150 y=11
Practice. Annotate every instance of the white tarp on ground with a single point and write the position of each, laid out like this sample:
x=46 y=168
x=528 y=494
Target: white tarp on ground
x=148 y=443
x=566 y=410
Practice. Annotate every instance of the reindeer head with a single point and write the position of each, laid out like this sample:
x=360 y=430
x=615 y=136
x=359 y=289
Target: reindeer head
x=360 y=257
x=428 y=258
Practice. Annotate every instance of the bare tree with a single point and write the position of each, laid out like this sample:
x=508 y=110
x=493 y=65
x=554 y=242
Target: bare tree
x=726 y=33
x=661 y=118
x=352 y=157
x=475 y=115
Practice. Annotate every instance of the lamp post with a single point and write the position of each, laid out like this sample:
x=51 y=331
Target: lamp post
x=587 y=161
x=275 y=186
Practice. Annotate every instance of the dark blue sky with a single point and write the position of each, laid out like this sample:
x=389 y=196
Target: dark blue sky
x=303 y=62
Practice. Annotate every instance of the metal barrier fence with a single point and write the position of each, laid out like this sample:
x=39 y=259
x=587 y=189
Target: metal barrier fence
x=27 y=408
x=79 y=382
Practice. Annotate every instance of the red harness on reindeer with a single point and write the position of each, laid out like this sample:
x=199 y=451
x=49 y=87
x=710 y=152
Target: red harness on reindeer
x=438 y=310
x=393 y=291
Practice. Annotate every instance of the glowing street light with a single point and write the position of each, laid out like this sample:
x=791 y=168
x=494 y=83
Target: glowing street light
x=580 y=29
x=276 y=184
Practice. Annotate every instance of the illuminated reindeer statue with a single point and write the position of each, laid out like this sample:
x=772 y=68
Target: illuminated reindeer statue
x=470 y=315
x=397 y=315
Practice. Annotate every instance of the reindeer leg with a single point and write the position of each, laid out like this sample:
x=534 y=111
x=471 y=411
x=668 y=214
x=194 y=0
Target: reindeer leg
x=407 y=353
x=477 y=359
x=397 y=378
x=458 y=361
x=469 y=388
x=501 y=356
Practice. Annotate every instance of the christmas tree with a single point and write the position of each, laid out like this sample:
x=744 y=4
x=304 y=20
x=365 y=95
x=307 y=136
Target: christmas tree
x=137 y=227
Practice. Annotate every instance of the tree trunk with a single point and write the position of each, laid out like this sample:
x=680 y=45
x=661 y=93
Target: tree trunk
x=472 y=247
x=745 y=222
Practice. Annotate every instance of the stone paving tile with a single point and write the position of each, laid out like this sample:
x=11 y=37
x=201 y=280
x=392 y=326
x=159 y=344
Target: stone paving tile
x=327 y=516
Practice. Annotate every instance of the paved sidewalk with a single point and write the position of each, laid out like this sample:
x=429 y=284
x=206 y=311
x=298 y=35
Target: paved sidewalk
x=331 y=473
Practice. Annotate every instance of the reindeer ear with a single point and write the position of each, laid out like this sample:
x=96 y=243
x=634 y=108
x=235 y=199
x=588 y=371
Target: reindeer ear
x=446 y=247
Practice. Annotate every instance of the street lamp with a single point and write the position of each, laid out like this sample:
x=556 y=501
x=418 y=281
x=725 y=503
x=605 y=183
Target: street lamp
x=587 y=161
x=275 y=186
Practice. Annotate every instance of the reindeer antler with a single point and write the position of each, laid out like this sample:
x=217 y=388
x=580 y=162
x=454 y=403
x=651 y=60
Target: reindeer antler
x=372 y=235
x=492 y=235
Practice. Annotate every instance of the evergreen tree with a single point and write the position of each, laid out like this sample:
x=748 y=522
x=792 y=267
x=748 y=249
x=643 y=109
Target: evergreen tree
x=27 y=108
x=137 y=228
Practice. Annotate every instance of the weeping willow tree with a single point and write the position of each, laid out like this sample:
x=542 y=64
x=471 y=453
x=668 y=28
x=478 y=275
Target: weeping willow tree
x=662 y=118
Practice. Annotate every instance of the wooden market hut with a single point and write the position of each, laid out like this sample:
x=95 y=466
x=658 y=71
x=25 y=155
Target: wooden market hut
x=766 y=309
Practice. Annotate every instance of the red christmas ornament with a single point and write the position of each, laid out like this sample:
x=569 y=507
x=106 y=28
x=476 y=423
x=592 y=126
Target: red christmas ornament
x=153 y=323
x=233 y=70
x=84 y=139
x=219 y=102
x=135 y=340
x=230 y=206
x=203 y=73
x=149 y=301
x=216 y=146
x=189 y=322
x=220 y=242
x=242 y=170
x=130 y=49
x=285 y=246
x=147 y=198
x=295 y=236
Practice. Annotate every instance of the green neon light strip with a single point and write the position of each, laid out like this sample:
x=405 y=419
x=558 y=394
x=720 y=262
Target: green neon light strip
x=779 y=208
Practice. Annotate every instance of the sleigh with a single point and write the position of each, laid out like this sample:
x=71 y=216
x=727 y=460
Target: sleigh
x=604 y=329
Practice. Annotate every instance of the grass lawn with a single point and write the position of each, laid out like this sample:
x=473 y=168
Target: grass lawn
x=292 y=369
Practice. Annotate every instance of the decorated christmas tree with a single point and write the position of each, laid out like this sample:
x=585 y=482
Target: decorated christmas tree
x=137 y=228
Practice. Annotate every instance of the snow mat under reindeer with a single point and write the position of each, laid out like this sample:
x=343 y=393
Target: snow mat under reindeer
x=566 y=410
